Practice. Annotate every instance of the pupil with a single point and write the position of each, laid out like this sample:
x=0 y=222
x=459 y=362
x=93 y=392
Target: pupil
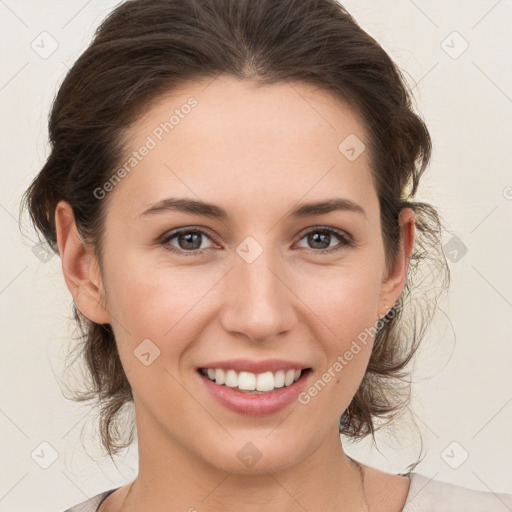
x=188 y=238
x=319 y=238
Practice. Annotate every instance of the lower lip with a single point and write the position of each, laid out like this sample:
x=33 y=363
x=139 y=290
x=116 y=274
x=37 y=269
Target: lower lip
x=256 y=404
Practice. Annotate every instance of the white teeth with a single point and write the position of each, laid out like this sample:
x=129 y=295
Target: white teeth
x=220 y=376
x=288 y=379
x=248 y=381
x=265 y=382
x=231 y=379
x=279 y=379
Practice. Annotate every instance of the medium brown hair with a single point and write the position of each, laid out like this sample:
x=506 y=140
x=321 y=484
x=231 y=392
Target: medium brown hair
x=145 y=48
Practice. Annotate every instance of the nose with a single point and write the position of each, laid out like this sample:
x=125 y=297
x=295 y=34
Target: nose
x=258 y=302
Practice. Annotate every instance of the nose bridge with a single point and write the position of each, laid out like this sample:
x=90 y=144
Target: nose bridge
x=258 y=302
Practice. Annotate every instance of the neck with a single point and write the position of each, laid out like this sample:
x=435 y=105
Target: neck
x=326 y=479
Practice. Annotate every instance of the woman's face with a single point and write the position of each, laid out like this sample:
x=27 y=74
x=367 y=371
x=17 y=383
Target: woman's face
x=249 y=278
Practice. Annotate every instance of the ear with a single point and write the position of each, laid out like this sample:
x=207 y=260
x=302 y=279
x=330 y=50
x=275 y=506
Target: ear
x=393 y=284
x=80 y=267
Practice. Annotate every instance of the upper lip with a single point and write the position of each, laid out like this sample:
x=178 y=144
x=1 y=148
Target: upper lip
x=248 y=365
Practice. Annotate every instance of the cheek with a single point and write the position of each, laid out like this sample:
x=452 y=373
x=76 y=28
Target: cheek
x=345 y=299
x=159 y=303
x=345 y=304
x=148 y=295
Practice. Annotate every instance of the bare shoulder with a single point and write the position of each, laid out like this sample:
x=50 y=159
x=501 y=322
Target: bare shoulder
x=385 y=492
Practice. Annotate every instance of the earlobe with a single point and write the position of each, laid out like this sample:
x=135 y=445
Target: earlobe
x=79 y=266
x=394 y=283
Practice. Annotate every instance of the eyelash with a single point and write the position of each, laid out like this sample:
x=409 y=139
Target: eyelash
x=345 y=241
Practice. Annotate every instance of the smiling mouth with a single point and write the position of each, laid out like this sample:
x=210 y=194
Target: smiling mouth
x=252 y=383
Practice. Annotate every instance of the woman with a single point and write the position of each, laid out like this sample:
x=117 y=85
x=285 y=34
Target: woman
x=231 y=191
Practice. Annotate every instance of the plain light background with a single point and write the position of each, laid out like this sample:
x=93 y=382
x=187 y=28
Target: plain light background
x=462 y=391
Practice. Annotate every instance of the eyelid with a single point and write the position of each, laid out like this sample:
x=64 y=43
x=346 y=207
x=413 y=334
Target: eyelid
x=185 y=229
x=340 y=232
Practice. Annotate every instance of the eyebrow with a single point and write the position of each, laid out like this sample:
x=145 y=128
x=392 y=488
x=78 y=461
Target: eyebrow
x=216 y=212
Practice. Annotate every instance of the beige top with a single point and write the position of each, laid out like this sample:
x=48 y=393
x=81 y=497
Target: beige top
x=425 y=495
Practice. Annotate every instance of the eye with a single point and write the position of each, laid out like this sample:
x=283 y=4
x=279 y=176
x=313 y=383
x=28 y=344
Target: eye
x=320 y=239
x=189 y=241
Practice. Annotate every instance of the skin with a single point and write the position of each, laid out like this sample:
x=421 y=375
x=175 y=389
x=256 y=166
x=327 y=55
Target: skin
x=256 y=152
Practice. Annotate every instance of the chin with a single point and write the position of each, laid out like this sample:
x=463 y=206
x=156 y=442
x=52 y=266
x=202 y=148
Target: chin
x=259 y=454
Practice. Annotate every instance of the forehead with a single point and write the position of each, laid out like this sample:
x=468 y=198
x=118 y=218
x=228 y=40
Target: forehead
x=225 y=138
